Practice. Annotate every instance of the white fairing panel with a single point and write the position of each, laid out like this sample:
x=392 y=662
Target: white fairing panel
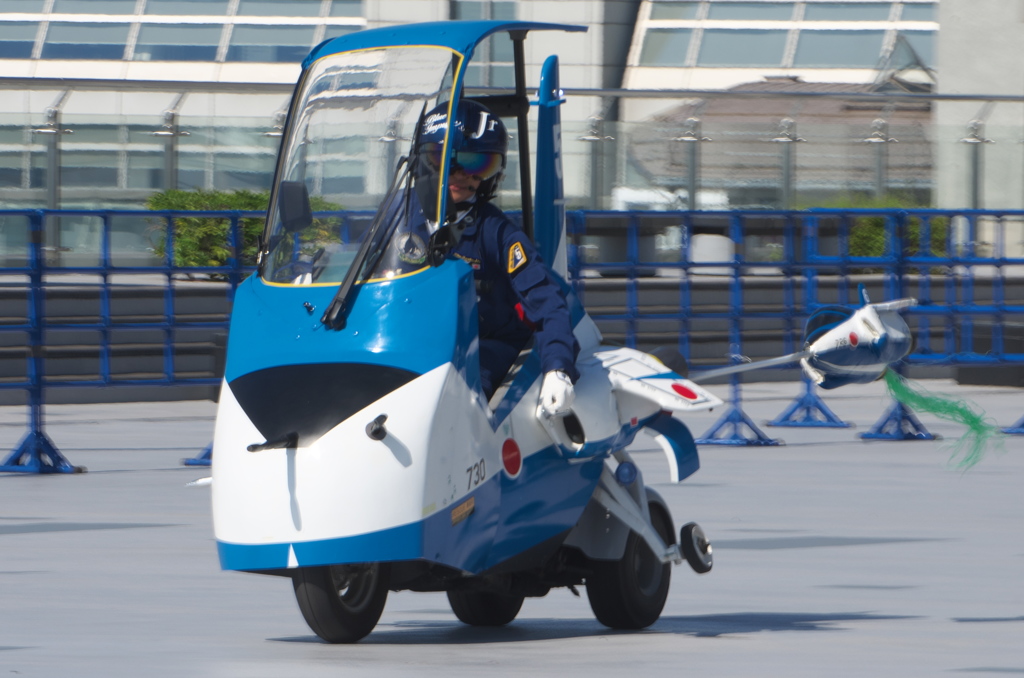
x=333 y=487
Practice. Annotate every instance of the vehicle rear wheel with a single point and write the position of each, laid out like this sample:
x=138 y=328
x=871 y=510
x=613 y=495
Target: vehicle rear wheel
x=630 y=593
x=342 y=603
x=481 y=608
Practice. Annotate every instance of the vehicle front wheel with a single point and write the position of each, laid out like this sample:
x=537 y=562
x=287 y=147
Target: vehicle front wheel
x=481 y=608
x=630 y=593
x=342 y=603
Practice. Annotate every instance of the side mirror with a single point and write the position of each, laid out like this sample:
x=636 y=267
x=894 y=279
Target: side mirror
x=293 y=206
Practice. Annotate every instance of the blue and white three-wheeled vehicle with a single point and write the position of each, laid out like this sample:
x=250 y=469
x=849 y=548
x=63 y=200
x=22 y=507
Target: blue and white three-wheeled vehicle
x=355 y=451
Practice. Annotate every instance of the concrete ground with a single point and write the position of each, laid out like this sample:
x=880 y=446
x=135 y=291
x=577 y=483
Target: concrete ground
x=833 y=557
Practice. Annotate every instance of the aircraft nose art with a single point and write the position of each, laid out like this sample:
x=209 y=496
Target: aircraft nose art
x=307 y=401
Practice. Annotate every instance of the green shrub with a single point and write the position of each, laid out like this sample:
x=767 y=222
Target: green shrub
x=868 y=234
x=203 y=241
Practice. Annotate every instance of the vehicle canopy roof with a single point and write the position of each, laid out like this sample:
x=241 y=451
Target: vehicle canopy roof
x=460 y=36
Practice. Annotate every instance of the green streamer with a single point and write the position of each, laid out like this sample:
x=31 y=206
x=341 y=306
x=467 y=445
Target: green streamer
x=981 y=431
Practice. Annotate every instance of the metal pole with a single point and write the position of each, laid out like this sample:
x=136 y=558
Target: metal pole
x=975 y=139
x=787 y=137
x=169 y=132
x=53 y=131
x=881 y=133
x=692 y=137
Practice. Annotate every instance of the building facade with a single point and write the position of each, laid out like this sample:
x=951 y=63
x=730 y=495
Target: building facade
x=105 y=102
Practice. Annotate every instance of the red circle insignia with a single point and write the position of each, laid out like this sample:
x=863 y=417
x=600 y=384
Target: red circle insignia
x=511 y=457
x=684 y=391
x=854 y=339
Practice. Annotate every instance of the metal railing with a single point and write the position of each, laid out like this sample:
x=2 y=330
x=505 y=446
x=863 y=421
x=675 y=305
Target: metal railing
x=647 y=278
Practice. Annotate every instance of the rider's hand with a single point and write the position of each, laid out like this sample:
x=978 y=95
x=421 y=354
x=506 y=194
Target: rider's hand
x=556 y=393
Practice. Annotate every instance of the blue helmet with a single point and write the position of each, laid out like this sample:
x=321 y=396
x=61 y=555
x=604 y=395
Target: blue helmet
x=479 y=143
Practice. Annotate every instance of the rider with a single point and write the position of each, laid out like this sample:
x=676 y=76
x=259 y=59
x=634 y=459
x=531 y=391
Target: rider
x=514 y=289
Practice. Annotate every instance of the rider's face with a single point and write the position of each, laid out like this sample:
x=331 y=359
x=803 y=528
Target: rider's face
x=462 y=186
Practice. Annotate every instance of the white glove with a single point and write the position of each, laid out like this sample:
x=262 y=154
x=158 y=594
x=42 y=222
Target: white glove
x=556 y=393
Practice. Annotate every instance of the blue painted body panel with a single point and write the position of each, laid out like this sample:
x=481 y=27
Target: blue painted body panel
x=681 y=440
x=549 y=201
x=510 y=515
x=271 y=327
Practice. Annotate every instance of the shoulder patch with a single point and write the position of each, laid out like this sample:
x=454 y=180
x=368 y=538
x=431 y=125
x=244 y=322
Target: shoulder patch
x=516 y=257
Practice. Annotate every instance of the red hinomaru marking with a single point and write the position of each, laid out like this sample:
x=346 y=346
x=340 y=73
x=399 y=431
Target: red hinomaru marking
x=511 y=457
x=854 y=339
x=685 y=392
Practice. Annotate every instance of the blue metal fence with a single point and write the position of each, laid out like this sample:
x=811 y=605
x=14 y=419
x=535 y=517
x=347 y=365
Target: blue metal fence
x=692 y=278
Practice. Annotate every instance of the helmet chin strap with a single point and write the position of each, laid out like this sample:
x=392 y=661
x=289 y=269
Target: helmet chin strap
x=458 y=217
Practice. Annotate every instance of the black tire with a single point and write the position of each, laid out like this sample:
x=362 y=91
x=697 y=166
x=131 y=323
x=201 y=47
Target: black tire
x=630 y=593
x=480 y=608
x=696 y=548
x=342 y=603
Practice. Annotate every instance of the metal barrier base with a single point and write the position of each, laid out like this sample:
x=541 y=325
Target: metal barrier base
x=728 y=431
x=37 y=454
x=809 y=410
x=205 y=458
x=899 y=423
x=1017 y=429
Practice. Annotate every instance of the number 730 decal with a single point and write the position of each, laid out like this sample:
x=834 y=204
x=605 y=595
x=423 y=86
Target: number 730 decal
x=475 y=474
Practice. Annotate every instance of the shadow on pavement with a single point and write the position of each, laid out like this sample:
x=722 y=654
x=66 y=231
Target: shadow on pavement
x=524 y=630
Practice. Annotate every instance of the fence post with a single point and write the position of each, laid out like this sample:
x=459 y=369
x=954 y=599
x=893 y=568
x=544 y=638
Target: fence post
x=36 y=453
x=899 y=422
x=809 y=410
x=735 y=418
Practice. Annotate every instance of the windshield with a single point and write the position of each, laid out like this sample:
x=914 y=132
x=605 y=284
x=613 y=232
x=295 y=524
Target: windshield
x=347 y=150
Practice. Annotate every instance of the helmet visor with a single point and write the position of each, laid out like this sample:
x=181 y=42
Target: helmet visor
x=483 y=165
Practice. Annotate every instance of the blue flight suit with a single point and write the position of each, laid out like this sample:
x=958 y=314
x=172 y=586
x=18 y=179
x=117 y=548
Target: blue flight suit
x=509 y=271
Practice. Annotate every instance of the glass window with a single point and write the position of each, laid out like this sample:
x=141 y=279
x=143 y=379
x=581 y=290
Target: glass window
x=85 y=133
x=503 y=11
x=279 y=8
x=194 y=7
x=918 y=11
x=89 y=168
x=237 y=172
x=674 y=10
x=145 y=170
x=21 y=6
x=751 y=11
x=665 y=47
x=10 y=169
x=344 y=176
x=85 y=41
x=466 y=10
x=923 y=43
x=847 y=11
x=17 y=39
x=338 y=31
x=742 y=48
x=171 y=42
x=12 y=134
x=192 y=170
x=347 y=8
x=37 y=170
x=270 y=44
x=94 y=7
x=839 y=49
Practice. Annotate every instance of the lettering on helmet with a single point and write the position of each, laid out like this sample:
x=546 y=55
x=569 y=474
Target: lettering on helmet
x=435 y=122
x=486 y=125
x=516 y=257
